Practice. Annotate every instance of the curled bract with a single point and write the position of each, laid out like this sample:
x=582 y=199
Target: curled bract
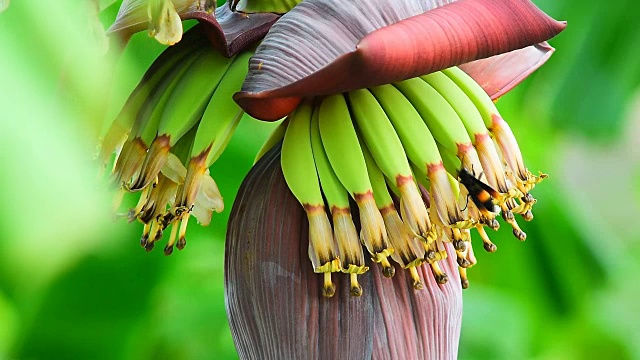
x=229 y=31
x=358 y=44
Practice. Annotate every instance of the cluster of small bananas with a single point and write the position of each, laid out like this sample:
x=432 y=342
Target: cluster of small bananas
x=167 y=135
x=407 y=145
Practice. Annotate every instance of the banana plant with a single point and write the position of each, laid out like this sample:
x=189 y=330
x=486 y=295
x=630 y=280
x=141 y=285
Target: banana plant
x=391 y=137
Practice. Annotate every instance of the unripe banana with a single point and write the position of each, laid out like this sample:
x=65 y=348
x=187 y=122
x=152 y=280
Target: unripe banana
x=422 y=150
x=446 y=127
x=192 y=94
x=214 y=131
x=497 y=126
x=386 y=148
x=344 y=230
x=442 y=120
x=184 y=108
x=476 y=129
x=130 y=162
x=273 y=140
x=125 y=122
x=407 y=249
x=222 y=116
x=489 y=158
x=341 y=145
x=300 y=174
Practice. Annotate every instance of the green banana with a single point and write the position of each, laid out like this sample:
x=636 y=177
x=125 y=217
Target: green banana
x=214 y=131
x=381 y=139
x=341 y=145
x=130 y=164
x=422 y=150
x=407 y=249
x=442 y=120
x=448 y=129
x=475 y=92
x=274 y=139
x=125 y=122
x=476 y=129
x=489 y=158
x=498 y=127
x=192 y=94
x=183 y=109
x=222 y=116
x=344 y=229
x=302 y=178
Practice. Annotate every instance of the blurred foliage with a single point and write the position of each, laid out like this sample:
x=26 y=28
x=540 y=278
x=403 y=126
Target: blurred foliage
x=74 y=285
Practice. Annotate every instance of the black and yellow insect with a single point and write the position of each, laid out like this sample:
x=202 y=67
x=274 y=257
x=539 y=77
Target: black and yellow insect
x=481 y=194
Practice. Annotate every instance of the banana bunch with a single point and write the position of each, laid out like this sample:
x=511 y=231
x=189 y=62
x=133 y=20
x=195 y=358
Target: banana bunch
x=174 y=125
x=424 y=161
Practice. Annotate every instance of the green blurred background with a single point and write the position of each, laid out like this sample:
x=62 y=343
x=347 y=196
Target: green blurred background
x=76 y=285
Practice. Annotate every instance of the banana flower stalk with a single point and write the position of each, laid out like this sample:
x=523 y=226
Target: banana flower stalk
x=309 y=69
x=391 y=146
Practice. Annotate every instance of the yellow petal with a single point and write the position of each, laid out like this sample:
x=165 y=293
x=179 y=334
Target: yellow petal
x=165 y=24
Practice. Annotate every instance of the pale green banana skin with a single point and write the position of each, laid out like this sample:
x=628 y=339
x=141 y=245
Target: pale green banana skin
x=421 y=149
x=151 y=115
x=413 y=132
x=442 y=120
x=475 y=92
x=379 y=135
x=125 y=122
x=273 y=140
x=341 y=146
x=191 y=95
x=336 y=195
x=459 y=101
x=376 y=177
x=407 y=249
x=345 y=233
x=298 y=167
x=386 y=148
x=478 y=132
x=498 y=127
x=222 y=116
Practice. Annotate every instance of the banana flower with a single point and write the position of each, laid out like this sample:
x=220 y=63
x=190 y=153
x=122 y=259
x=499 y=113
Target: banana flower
x=368 y=44
x=390 y=145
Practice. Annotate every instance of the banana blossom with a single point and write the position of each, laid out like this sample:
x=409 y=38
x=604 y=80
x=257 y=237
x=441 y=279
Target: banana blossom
x=320 y=48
